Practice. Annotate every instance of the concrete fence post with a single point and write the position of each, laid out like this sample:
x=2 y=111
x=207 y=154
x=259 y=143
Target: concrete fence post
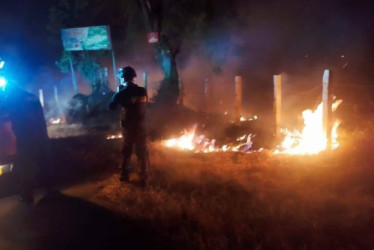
x=327 y=105
x=238 y=98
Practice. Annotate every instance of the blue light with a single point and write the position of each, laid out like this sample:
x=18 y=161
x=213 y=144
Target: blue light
x=2 y=63
x=3 y=82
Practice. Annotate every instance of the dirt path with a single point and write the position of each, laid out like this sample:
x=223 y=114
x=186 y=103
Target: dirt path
x=66 y=221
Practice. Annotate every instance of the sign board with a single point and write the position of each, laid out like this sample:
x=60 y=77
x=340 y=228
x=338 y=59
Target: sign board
x=86 y=38
x=152 y=37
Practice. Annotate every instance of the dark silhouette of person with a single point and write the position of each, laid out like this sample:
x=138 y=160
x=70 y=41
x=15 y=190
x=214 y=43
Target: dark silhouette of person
x=25 y=113
x=133 y=100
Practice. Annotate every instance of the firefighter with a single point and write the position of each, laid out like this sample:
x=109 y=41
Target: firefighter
x=133 y=100
x=28 y=125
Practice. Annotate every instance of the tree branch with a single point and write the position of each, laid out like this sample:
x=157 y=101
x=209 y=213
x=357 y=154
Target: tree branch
x=146 y=12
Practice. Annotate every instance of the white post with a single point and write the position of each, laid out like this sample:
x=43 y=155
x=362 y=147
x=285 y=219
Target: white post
x=41 y=97
x=57 y=100
x=327 y=106
x=114 y=71
x=145 y=80
x=238 y=98
x=277 y=104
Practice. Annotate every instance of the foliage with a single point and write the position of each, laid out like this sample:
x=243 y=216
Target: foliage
x=63 y=63
x=87 y=65
x=88 y=68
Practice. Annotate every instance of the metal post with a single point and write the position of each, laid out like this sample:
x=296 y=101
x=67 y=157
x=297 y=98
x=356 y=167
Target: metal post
x=277 y=104
x=207 y=97
x=106 y=80
x=145 y=80
x=238 y=98
x=114 y=70
x=57 y=101
x=327 y=106
x=73 y=73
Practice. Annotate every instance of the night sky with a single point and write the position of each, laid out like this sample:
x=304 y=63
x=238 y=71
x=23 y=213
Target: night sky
x=279 y=32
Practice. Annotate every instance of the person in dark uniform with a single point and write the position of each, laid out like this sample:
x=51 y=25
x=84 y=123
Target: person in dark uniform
x=133 y=100
x=25 y=113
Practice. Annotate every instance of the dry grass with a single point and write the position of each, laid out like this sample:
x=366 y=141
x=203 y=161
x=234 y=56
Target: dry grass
x=254 y=201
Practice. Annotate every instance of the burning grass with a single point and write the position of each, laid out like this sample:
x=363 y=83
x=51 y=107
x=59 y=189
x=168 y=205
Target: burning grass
x=253 y=201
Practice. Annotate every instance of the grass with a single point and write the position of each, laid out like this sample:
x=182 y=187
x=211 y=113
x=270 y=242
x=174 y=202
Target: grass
x=254 y=201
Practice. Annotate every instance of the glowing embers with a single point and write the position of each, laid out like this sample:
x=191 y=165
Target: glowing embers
x=243 y=119
x=114 y=137
x=312 y=139
x=190 y=140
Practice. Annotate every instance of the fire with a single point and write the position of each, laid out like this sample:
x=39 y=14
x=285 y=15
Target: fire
x=312 y=139
x=114 y=137
x=243 y=119
x=190 y=140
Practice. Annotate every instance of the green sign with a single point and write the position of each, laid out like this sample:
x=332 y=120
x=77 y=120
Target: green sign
x=86 y=38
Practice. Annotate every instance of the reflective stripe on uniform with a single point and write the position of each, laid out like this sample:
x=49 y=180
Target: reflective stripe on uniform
x=139 y=99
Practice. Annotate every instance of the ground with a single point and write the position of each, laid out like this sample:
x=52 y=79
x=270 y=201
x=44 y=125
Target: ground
x=201 y=201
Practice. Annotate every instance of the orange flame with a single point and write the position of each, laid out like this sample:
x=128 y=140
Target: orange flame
x=312 y=139
x=114 y=137
x=189 y=140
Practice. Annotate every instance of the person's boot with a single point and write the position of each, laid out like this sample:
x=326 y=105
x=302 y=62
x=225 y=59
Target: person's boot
x=124 y=177
x=144 y=176
x=125 y=171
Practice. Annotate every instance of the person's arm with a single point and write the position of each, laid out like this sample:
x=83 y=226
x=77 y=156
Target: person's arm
x=114 y=101
x=146 y=94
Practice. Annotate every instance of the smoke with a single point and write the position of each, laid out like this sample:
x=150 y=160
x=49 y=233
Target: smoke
x=297 y=40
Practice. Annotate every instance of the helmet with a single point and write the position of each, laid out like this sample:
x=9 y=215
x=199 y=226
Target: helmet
x=128 y=73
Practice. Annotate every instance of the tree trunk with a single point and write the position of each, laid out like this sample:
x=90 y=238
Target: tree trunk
x=168 y=92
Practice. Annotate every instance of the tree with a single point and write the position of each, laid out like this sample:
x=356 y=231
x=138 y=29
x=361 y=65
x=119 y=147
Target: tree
x=191 y=22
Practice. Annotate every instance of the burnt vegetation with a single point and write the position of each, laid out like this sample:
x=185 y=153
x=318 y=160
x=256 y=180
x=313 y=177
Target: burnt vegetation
x=233 y=200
